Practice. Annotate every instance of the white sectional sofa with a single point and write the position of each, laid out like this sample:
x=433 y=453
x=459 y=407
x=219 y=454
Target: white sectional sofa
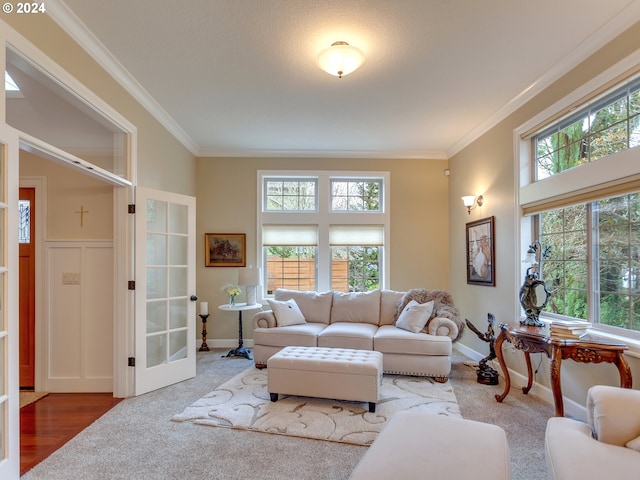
x=365 y=321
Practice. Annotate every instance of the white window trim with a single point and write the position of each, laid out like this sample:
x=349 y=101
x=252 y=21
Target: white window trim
x=324 y=217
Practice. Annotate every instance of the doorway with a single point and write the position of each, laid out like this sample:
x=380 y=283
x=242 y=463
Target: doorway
x=73 y=287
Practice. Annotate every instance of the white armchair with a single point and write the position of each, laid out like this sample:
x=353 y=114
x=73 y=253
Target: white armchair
x=607 y=447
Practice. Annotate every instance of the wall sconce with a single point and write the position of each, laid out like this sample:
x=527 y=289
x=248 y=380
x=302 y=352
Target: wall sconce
x=250 y=278
x=471 y=202
x=340 y=59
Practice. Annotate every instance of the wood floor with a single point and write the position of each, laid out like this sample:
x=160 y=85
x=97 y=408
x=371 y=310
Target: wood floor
x=52 y=421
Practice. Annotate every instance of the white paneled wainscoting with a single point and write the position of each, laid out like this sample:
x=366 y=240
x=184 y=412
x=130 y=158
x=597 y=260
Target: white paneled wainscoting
x=77 y=335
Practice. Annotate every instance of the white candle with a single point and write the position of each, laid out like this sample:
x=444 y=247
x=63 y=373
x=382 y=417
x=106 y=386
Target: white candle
x=204 y=308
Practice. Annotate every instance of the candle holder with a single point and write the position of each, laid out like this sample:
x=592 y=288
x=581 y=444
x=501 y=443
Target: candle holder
x=204 y=347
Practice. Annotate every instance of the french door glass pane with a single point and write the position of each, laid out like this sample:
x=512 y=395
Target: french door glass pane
x=156 y=316
x=178 y=342
x=178 y=250
x=3 y=384
x=156 y=249
x=156 y=350
x=156 y=216
x=178 y=313
x=177 y=218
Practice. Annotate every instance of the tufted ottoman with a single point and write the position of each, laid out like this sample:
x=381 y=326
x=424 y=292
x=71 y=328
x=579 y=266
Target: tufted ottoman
x=340 y=373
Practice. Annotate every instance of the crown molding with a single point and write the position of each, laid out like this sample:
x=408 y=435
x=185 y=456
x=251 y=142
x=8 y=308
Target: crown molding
x=383 y=154
x=73 y=26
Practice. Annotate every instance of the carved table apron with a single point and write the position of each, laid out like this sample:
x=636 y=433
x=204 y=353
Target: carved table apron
x=587 y=349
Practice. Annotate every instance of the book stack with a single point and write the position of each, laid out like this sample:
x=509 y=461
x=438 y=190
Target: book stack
x=573 y=329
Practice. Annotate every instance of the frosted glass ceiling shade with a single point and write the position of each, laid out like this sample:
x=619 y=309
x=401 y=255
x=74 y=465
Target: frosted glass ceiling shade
x=340 y=59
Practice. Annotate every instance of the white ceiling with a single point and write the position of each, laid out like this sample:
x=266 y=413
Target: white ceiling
x=239 y=77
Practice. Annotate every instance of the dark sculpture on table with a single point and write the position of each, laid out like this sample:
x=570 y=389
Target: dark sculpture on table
x=486 y=374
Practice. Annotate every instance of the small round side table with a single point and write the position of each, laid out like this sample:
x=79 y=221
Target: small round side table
x=241 y=351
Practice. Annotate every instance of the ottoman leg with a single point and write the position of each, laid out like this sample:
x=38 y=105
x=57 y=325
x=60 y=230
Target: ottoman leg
x=274 y=397
x=372 y=407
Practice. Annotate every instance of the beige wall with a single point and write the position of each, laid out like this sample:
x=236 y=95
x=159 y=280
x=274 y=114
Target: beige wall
x=67 y=191
x=163 y=162
x=227 y=203
x=487 y=167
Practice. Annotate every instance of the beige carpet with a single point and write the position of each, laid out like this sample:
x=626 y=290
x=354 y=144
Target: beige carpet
x=27 y=398
x=243 y=403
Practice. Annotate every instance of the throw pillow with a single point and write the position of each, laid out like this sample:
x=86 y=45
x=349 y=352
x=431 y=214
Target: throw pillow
x=633 y=444
x=415 y=316
x=286 y=313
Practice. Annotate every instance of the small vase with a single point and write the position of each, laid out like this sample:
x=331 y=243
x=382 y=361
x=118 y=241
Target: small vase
x=232 y=300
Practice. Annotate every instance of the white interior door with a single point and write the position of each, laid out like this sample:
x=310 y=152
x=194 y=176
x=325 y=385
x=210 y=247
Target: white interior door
x=9 y=360
x=165 y=325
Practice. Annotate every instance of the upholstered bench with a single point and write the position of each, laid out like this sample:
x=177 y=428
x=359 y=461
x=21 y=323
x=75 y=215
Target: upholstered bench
x=337 y=373
x=424 y=445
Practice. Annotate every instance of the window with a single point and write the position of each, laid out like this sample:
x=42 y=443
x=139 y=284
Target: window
x=290 y=195
x=608 y=231
x=324 y=231
x=609 y=125
x=589 y=216
x=24 y=221
x=355 y=195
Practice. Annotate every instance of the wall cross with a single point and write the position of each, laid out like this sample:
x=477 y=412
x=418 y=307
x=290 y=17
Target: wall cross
x=82 y=211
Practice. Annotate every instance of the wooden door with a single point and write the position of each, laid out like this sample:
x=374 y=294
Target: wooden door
x=26 y=240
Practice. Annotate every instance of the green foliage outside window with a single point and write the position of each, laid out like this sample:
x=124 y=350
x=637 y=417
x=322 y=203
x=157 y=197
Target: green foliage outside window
x=591 y=134
x=613 y=242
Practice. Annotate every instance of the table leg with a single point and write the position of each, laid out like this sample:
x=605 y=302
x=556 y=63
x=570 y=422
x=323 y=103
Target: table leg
x=556 y=364
x=241 y=351
x=625 y=371
x=527 y=358
x=503 y=366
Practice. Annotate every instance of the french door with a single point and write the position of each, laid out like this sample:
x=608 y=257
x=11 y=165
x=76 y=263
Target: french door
x=165 y=335
x=9 y=360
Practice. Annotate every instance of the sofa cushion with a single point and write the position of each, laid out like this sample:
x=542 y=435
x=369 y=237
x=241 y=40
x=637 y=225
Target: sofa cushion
x=286 y=312
x=389 y=300
x=305 y=335
x=358 y=336
x=356 y=307
x=415 y=316
x=391 y=339
x=634 y=444
x=315 y=306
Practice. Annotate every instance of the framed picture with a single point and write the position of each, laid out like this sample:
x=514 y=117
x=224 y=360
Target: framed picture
x=481 y=252
x=225 y=250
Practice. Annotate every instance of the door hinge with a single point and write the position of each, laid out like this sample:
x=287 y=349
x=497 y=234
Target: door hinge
x=131 y=284
x=131 y=362
x=131 y=208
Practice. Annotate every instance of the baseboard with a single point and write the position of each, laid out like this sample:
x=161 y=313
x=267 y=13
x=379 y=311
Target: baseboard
x=518 y=380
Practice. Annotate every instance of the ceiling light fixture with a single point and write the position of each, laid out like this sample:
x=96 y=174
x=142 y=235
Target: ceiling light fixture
x=340 y=59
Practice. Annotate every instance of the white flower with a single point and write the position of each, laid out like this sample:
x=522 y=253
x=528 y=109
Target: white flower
x=231 y=290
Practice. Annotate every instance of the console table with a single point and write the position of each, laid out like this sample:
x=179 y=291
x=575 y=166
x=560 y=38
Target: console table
x=587 y=349
x=241 y=351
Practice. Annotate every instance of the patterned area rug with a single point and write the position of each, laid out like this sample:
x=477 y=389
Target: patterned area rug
x=243 y=403
x=27 y=398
